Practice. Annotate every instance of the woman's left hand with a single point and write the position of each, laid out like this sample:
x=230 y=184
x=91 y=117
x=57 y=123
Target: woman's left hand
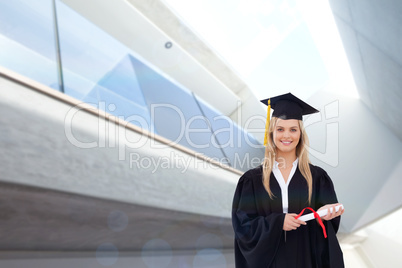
x=330 y=215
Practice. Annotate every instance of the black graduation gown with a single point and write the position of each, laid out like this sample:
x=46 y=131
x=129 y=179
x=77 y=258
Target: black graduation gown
x=260 y=241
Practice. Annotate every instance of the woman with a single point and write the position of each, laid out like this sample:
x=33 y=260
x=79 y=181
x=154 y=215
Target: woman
x=268 y=198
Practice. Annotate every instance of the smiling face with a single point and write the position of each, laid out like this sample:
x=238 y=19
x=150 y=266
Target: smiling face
x=286 y=135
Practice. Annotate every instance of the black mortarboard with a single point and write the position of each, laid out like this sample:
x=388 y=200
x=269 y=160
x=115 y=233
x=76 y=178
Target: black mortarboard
x=286 y=106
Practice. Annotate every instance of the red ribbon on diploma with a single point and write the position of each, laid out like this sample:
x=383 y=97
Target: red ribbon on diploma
x=315 y=216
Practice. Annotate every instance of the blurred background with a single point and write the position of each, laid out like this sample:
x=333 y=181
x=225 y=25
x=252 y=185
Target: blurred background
x=126 y=124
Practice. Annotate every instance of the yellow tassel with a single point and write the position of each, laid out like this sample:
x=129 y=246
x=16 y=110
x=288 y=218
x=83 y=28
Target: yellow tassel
x=267 y=124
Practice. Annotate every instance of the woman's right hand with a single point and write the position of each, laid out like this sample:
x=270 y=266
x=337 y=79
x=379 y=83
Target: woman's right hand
x=291 y=223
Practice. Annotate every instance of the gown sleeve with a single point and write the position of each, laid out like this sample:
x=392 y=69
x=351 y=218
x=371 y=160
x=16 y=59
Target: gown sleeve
x=327 y=195
x=257 y=233
x=329 y=250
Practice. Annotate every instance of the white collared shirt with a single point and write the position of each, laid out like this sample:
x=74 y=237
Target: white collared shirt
x=284 y=186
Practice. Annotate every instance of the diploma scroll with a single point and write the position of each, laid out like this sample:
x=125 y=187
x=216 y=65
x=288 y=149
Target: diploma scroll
x=322 y=213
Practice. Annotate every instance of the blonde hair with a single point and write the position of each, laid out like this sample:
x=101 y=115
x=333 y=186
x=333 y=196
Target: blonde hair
x=301 y=153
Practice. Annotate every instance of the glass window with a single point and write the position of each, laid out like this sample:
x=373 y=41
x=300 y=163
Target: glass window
x=27 y=41
x=241 y=148
x=175 y=112
x=97 y=69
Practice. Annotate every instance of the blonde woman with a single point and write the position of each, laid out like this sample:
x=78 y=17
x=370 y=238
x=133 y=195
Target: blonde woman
x=269 y=198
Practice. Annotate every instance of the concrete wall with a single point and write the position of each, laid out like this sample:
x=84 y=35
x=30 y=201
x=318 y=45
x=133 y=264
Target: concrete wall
x=68 y=184
x=361 y=155
x=180 y=259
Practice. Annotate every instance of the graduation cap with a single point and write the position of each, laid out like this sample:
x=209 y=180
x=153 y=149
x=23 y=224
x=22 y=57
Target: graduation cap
x=286 y=106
